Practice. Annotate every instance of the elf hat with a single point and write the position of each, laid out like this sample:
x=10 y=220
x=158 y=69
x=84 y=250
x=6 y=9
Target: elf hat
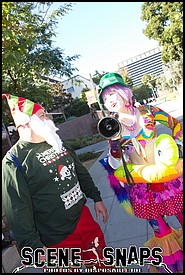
x=108 y=80
x=21 y=108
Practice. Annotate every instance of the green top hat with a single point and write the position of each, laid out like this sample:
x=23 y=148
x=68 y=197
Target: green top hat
x=108 y=80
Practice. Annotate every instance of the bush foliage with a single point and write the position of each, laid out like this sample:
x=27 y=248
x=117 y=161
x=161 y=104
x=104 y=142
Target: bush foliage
x=83 y=141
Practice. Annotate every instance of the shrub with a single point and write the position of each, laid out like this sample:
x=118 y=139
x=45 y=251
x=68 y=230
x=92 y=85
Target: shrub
x=88 y=156
x=83 y=141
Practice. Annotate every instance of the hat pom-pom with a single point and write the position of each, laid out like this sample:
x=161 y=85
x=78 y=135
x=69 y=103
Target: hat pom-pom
x=19 y=117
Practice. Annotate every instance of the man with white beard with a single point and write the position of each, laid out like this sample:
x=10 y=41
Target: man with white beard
x=45 y=209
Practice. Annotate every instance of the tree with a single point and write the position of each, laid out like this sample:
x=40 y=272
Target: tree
x=78 y=107
x=141 y=92
x=165 y=24
x=97 y=76
x=176 y=68
x=125 y=75
x=150 y=81
x=28 y=52
x=162 y=83
x=60 y=99
x=83 y=96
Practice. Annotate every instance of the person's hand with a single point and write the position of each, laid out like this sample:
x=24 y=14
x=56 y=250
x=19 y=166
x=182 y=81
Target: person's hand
x=180 y=148
x=100 y=208
x=114 y=145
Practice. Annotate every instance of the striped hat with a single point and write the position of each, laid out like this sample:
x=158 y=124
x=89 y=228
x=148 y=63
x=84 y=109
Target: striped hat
x=21 y=108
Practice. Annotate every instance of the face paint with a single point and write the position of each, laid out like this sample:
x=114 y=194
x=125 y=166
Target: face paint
x=113 y=101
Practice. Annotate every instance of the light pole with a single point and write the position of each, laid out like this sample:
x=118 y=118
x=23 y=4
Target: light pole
x=154 y=91
x=170 y=76
x=96 y=95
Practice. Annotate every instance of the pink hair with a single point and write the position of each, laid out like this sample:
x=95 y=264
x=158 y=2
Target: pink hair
x=124 y=92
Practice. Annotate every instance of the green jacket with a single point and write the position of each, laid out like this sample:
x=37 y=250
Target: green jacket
x=43 y=204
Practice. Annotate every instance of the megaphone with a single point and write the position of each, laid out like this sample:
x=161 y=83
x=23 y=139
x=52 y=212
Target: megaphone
x=109 y=127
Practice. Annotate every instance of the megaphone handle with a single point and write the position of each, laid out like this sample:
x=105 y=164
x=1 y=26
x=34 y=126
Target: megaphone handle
x=127 y=173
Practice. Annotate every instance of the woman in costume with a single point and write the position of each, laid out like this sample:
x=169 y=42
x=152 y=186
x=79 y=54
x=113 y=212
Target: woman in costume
x=155 y=190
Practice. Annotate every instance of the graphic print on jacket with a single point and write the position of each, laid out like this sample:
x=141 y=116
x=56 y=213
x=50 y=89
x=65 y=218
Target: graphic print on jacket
x=62 y=168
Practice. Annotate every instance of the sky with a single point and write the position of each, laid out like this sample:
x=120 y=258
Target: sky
x=103 y=34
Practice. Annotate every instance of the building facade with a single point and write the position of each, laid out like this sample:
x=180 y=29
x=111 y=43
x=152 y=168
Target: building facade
x=76 y=84
x=73 y=85
x=145 y=63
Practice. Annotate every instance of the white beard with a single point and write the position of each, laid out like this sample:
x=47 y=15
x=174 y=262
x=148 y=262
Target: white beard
x=46 y=129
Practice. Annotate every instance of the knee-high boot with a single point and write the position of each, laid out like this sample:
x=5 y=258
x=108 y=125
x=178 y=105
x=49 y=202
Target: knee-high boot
x=180 y=219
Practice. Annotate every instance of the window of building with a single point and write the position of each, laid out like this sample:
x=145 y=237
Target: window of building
x=70 y=90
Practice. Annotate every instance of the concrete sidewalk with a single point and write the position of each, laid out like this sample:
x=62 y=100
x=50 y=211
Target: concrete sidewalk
x=122 y=230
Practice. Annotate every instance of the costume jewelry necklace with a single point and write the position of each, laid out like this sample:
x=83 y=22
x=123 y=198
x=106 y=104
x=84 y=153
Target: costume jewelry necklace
x=138 y=147
x=133 y=126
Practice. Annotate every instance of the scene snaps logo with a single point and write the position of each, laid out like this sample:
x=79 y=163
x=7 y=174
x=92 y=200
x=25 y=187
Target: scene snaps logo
x=114 y=259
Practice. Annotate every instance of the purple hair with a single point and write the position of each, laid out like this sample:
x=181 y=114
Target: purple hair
x=124 y=92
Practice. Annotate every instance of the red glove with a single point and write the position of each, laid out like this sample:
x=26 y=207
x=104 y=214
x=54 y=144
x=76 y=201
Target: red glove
x=115 y=151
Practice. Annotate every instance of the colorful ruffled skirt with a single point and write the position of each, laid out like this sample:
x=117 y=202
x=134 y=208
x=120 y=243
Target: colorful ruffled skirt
x=152 y=202
x=172 y=246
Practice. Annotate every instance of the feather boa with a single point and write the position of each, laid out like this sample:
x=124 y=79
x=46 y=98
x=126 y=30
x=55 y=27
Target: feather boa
x=122 y=193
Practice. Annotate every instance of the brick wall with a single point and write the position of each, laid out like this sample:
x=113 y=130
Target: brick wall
x=78 y=127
